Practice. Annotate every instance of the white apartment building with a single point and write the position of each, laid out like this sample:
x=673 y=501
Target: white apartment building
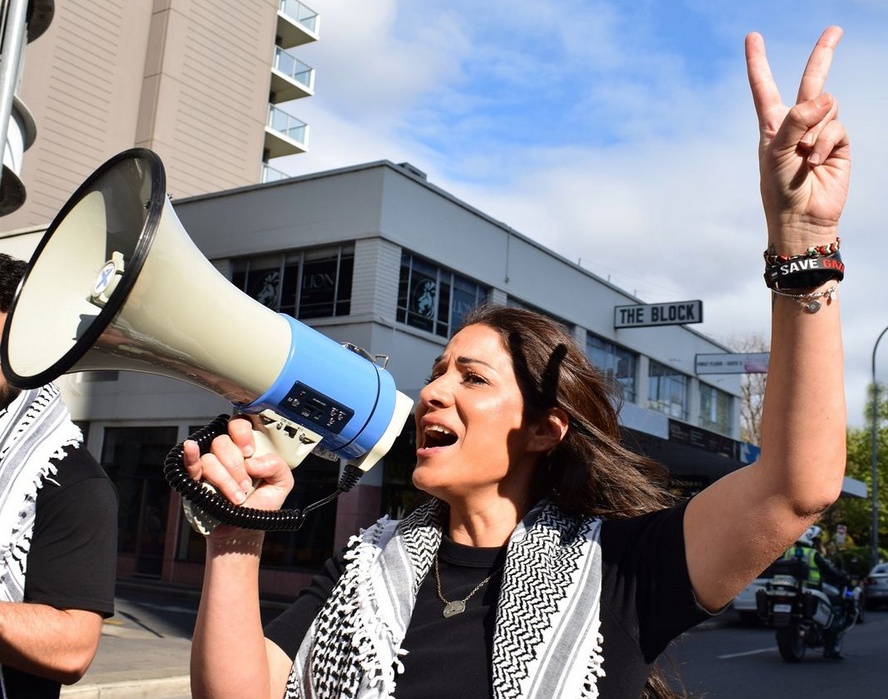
x=212 y=86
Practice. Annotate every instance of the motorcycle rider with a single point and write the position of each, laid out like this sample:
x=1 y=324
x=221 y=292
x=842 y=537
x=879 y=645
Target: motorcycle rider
x=822 y=575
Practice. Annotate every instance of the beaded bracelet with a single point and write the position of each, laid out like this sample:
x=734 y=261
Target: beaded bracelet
x=772 y=258
x=809 y=301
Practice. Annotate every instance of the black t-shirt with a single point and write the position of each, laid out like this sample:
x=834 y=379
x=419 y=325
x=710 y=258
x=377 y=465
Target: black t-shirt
x=646 y=601
x=72 y=562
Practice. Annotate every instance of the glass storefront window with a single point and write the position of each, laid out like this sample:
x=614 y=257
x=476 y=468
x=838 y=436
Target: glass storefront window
x=618 y=363
x=432 y=298
x=303 y=284
x=715 y=409
x=133 y=458
x=325 y=288
x=310 y=546
x=668 y=390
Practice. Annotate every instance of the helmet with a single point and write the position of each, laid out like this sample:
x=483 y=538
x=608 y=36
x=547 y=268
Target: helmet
x=807 y=538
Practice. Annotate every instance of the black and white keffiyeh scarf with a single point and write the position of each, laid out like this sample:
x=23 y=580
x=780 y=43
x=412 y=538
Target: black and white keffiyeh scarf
x=34 y=430
x=547 y=640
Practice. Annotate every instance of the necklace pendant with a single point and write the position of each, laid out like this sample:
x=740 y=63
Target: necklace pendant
x=454 y=608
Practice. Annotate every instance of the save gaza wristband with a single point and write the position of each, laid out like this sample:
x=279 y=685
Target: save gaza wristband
x=805 y=272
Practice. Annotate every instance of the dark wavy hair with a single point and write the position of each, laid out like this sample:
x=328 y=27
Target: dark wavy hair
x=591 y=471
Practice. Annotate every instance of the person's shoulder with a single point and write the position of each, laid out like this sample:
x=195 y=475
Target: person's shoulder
x=77 y=464
x=646 y=527
x=646 y=519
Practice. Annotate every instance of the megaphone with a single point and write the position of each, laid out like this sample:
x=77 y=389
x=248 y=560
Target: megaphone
x=116 y=284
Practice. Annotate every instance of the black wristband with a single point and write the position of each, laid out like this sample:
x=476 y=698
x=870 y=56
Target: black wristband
x=805 y=272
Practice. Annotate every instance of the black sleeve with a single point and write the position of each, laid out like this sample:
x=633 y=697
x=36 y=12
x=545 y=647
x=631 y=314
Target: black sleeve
x=647 y=586
x=72 y=562
x=289 y=628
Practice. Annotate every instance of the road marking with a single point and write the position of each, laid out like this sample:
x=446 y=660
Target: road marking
x=749 y=652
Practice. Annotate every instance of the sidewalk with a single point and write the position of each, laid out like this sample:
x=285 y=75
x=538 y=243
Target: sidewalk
x=145 y=647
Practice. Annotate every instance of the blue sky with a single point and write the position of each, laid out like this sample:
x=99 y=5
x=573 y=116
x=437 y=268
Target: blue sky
x=621 y=135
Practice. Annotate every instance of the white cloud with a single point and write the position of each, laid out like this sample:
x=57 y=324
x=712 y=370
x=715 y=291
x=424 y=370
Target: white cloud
x=634 y=152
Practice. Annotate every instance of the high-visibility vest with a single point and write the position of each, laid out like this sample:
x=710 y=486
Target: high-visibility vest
x=807 y=554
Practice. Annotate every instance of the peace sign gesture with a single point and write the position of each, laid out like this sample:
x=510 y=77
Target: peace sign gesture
x=804 y=153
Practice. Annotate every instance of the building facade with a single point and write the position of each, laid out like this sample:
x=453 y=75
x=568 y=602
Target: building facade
x=377 y=256
x=207 y=84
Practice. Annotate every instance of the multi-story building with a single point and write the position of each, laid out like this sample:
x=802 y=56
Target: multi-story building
x=207 y=84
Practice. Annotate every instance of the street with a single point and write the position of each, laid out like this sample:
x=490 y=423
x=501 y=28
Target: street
x=149 y=639
x=725 y=659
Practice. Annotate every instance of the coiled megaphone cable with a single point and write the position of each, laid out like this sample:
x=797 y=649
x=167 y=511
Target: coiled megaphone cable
x=220 y=510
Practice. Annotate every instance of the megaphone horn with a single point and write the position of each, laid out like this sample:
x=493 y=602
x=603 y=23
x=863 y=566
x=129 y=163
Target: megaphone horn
x=116 y=284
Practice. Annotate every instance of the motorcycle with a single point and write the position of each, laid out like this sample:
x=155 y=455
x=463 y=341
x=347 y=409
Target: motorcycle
x=802 y=615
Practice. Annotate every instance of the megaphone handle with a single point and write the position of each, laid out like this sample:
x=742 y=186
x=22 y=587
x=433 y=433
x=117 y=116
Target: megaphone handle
x=206 y=507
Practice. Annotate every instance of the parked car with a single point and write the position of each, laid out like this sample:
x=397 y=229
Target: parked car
x=875 y=585
x=744 y=602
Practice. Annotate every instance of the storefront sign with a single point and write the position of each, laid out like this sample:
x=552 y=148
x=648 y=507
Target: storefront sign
x=646 y=314
x=756 y=363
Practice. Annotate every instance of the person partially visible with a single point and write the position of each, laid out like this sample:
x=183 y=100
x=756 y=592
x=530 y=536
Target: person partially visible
x=820 y=570
x=822 y=575
x=58 y=537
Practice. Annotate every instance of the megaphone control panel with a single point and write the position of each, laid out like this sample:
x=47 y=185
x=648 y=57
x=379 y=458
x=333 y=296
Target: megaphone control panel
x=315 y=408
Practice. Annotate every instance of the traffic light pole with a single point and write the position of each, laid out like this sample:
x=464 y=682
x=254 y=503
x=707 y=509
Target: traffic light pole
x=14 y=20
x=874 y=489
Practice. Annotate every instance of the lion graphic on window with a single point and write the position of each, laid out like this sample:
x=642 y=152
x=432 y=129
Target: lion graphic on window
x=424 y=298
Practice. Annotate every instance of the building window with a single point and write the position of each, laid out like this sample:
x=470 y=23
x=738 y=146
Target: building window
x=715 y=409
x=310 y=546
x=432 y=298
x=133 y=457
x=304 y=284
x=617 y=363
x=667 y=390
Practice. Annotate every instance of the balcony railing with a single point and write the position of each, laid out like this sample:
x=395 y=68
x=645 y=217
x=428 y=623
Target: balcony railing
x=270 y=174
x=284 y=134
x=300 y=13
x=286 y=63
x=291 y=78
x=286 y=124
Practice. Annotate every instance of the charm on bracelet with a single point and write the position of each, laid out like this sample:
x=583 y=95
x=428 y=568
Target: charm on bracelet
x=811 y=302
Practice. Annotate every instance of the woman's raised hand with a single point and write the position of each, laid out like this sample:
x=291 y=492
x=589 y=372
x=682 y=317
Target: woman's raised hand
x=804 y=153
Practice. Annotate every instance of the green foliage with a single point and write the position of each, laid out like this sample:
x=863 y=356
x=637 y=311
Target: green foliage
x=856 y=513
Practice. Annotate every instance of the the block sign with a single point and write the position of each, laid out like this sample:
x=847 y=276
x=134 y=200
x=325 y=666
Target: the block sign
x=645 y=314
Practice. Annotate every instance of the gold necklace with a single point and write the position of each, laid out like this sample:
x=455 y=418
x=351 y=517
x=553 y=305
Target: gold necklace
x=458 y=606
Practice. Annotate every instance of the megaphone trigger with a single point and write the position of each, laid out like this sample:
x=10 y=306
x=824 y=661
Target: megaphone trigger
x=292 y=441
